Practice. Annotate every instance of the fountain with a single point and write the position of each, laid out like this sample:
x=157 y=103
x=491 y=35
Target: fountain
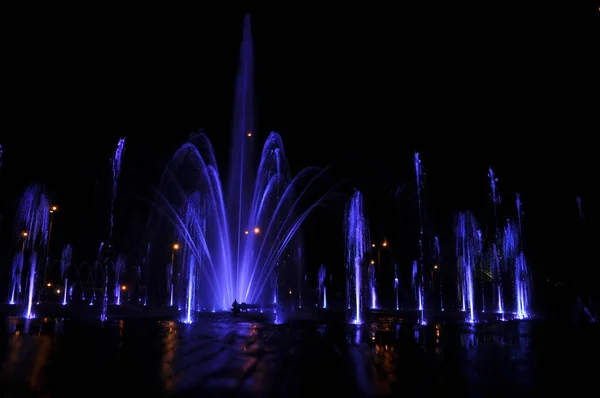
x=468 y=254
x=437 y=259
x=357 y=244
x=418 y=265
x=119 y=273
x=116 y=172
x=234 y=239
x=372 y=286
x=322 y=289
x=32 y=228
x=65 y=264
x=16 y=272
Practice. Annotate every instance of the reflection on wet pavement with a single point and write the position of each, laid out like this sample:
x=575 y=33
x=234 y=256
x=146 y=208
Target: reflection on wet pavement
x=223 y=356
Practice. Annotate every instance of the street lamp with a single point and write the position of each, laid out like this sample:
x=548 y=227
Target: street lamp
x=256 y=230
x=175 y=248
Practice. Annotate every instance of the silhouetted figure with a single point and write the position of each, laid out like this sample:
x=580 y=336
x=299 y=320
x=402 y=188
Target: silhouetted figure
x=235 y=307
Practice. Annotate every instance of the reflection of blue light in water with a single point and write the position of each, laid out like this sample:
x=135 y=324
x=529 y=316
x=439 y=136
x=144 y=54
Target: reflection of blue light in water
x=357 y=244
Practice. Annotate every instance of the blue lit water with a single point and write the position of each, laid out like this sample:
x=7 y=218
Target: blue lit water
x=223 y=356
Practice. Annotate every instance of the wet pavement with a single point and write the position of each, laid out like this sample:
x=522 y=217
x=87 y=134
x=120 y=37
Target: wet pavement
x=225 y=356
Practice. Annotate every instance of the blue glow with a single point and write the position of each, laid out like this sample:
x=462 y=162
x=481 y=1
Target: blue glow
x=357 y=244
x=237 y=236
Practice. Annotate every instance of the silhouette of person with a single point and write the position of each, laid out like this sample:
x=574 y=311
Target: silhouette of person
x=235 y=306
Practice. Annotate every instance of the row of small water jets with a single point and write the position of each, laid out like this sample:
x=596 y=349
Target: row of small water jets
x=492 y=273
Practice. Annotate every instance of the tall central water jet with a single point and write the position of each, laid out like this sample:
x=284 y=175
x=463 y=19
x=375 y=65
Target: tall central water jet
x=240 y=238
x=357 y=244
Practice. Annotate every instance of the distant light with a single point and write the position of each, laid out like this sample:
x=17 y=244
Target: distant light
x=435 y=267
x=123 y=287
x=249 y=134
x=175 y=247
x=57 y=291
x=246 y=232
x=372 y=261
x=290 y=292
x=49 y=284
x=384 y=244
x=24 y=234
x=256 y=231
x=372 y=244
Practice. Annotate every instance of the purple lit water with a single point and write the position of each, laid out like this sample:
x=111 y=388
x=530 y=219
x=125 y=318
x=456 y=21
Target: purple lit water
x=65 y=264
x=31 y=228
x=239 y=236
x=418 y=277
x=437 y=257
x=119 y=273
x=468 y=254
x=321 y=289
x=16 y=273
x=372 y=286
x=357 y=244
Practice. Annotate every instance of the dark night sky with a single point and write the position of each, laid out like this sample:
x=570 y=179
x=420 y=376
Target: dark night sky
x=514 y=88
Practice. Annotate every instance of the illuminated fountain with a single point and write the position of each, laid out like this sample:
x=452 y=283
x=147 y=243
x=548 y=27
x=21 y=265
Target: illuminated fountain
x=322 y=289
x=116 y=172
x=418 y=282
x=372 y=286
x=32 y=227
x=357 y=244
x=437 y=257
x=16 y=273
x=119 y=273
x=65 y=264
x=233 y=239
x=468 y=254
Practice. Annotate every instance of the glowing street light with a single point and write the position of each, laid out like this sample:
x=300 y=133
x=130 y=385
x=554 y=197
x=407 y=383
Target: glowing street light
x=24 y=234
x=372 y=262
x=53 y=209
x=123 y=287
x=373 y=245
x=249 y=134
x=49 y=285
x=175 y=246
x=256 y=231
x=384 y=244
x=246 y=232
x=435 y=266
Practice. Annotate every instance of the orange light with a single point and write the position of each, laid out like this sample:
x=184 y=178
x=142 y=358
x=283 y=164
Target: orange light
x=175 y=246
x=290 y=292
x=123 y=287
x=24 y=234
x=249 y=134
x=384 y=244
x=54 y=208
x=49 y=285
x=372 y=261
x=435 y=267
x=256 y=231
